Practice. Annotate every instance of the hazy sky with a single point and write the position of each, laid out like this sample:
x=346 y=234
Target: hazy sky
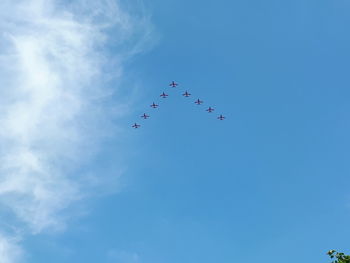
x=78 y=184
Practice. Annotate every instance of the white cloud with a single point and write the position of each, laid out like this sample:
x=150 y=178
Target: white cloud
x=9 y=250
x=54 y=62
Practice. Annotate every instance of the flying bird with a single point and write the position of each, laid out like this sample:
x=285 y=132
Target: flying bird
x=163 y=95
x=145 y=116
x=198 y=102
x=221 y=118
x=173 y=84
x=186 y=94
x=154 y=105
x=136 y=125
x=210 y=109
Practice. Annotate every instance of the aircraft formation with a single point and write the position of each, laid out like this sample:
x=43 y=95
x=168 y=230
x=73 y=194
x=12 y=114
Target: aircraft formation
x=173 y=84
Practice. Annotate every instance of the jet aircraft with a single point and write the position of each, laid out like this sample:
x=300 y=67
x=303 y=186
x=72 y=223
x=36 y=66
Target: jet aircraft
x=221 y=118
x=198 y=102
x=154 y=105
x=186 y=94
x=173 y=84
x=136 y=126
x=145 y=116
x=163 y=95
x=210 y=109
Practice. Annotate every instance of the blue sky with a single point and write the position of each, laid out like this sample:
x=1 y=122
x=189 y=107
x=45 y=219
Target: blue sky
x=270 y=181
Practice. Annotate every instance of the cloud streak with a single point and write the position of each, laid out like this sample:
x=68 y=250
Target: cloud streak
x=54 y=66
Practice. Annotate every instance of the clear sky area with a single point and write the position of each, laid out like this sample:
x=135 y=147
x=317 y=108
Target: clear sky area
x=268 y=184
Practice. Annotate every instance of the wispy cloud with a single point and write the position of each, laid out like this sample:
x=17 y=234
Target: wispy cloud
x=55 y=61
x=122 y=256
x=9 y=250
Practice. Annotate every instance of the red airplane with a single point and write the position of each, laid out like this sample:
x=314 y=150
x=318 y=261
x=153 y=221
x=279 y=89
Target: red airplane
x=163 y=95
x=210 y=109
x=198 y=102
x=154 y=105
x=136 y=126
x=173 y=84
x=145 y=116
x=221 y=118
x=186 y=94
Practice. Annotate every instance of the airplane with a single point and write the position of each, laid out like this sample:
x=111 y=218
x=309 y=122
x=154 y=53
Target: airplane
x=186 y=94
x=145 y=116
x=221 y=118
x=173 y=84
x=154 y=105
x=163 y=95
x=136 y=126
x=210 y=109
x=198 y=102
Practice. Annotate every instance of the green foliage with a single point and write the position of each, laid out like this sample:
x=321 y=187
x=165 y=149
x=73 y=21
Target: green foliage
x=338 y=257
